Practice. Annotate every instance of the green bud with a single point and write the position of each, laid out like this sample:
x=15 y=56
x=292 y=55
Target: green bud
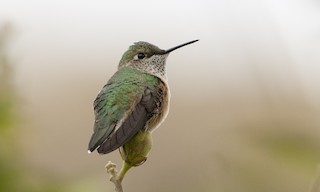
x=135 y=151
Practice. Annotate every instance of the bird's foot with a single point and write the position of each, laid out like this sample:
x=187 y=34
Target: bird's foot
x=114 y=177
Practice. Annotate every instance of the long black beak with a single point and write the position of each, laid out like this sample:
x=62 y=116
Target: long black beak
x=179 y=46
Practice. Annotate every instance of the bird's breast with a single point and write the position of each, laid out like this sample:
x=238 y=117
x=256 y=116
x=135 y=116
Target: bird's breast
x=162 y=109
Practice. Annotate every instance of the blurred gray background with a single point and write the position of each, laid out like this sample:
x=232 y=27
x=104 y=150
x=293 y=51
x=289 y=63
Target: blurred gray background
x=245 y=103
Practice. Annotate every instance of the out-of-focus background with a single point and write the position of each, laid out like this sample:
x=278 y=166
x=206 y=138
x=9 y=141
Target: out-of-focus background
x=245 y=99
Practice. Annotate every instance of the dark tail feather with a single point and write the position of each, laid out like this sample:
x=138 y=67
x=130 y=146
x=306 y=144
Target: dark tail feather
x=134 y=122
x=98 y=137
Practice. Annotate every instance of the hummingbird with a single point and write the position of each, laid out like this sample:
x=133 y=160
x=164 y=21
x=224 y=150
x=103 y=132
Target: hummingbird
x=133 y=103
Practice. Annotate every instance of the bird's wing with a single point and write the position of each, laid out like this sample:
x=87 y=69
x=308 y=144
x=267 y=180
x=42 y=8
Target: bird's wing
x=120 y=112
x=132 y=123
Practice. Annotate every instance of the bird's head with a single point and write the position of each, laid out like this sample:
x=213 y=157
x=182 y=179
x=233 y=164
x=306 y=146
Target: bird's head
x=147 y=57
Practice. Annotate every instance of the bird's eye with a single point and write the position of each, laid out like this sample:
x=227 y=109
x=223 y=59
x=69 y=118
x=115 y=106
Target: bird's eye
x=140 y=56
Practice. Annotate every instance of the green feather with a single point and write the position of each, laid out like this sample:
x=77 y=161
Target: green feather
x=140 y=47
x=116 y=98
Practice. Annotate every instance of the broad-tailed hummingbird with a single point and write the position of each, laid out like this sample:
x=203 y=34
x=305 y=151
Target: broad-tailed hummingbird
x=132 y=104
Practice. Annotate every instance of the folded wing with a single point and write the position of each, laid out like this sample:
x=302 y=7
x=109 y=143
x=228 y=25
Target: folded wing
x=118 y=119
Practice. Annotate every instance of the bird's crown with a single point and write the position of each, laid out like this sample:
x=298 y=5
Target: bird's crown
x=138 y=51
